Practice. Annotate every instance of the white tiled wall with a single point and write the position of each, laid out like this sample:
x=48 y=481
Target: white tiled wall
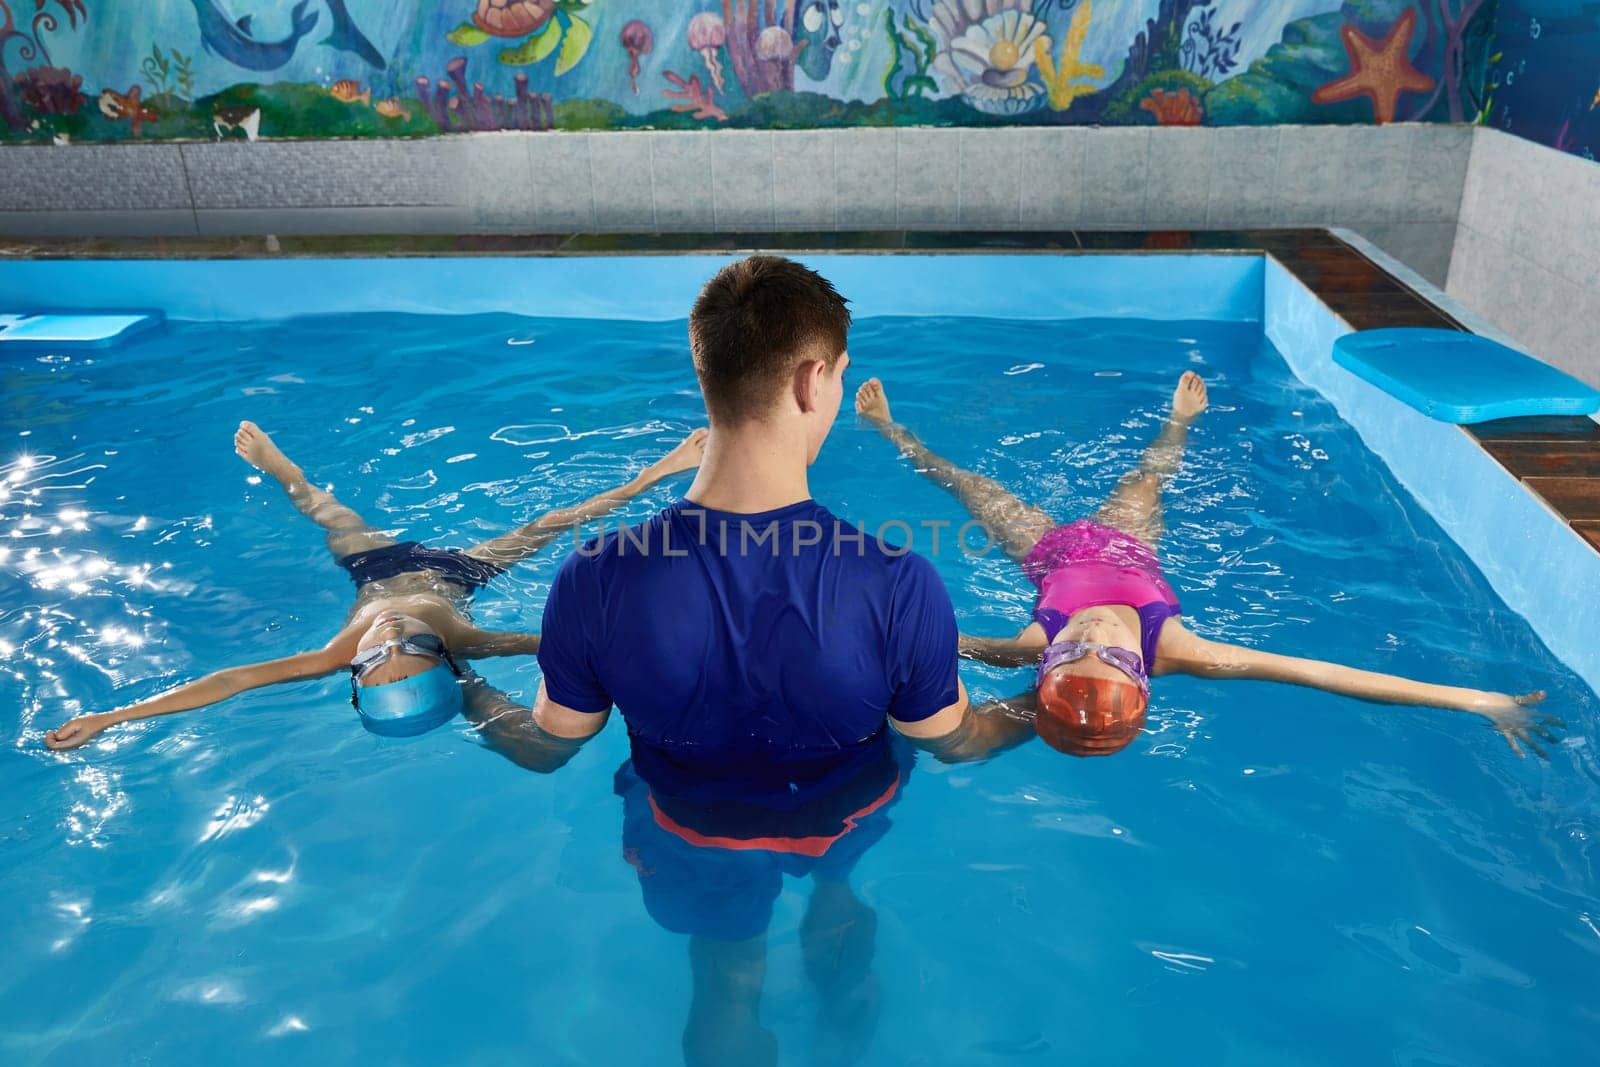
x=1527 y=249
x=1399 y=185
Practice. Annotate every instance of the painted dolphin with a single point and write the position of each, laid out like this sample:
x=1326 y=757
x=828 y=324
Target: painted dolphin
x=232 y=40
x=348 y=38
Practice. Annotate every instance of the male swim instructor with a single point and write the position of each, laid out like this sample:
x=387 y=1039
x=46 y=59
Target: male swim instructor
x=759 y=650
x=745 y=626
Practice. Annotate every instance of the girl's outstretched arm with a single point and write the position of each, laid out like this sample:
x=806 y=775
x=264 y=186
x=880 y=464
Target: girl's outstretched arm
x=524 y=541
x=482 y=644
x=1022 y=650
x=1184 y=652
x=214 y=687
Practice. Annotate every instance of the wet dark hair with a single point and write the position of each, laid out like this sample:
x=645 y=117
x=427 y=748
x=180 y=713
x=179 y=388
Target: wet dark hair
x=753 y=324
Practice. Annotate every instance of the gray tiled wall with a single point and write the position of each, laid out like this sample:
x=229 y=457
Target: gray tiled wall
x=1398 y=185
x=1526 y=256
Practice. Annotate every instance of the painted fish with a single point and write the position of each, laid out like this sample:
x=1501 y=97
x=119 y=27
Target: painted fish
x=232 y=40
x=117 y=106
x=350 y=91
x=1595 y=101
x=348 y=38
x=391 y=109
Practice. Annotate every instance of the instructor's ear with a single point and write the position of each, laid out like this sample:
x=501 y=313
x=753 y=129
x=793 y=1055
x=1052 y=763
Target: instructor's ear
x=808 y=384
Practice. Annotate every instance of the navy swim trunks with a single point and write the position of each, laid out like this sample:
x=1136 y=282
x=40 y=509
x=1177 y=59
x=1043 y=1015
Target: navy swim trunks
x=715 y=870
x=410 y=557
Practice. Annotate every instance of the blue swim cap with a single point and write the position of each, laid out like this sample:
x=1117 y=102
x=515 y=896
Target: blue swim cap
x=411 y=706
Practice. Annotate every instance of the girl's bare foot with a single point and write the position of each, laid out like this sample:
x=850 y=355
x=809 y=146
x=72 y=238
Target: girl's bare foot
x=256 y=448
x=686 y=456
x=1189 y=399
x=872 y=404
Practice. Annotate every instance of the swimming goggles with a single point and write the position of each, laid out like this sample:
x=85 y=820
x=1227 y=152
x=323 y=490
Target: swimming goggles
x=1125 y=660
x=430 y=645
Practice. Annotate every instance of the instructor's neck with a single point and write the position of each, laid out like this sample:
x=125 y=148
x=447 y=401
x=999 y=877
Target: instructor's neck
x=751 y=468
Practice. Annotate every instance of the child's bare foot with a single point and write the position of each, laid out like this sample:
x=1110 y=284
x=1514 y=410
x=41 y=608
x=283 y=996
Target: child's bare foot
x=872 y=404
x=1189 y=399
x=685 y=457
x=256 y=448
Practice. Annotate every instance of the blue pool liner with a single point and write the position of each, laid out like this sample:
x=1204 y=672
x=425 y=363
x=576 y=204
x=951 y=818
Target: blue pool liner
x=1542 y=568
x=642 y=288
x=70 y=330
x=1460 y=377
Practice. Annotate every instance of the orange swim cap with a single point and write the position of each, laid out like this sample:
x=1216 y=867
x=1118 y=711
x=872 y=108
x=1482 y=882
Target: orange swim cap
x=1088 y=716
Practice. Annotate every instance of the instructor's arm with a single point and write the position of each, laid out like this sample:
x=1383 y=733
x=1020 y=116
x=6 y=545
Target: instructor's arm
x=930 y=706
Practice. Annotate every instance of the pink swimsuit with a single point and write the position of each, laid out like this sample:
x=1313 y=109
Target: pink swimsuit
x=1087 y=565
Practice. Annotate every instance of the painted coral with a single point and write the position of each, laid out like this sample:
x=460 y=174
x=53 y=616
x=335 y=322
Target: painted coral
x=455 y=109
x=51 y=90
x=1178 y=108
x=1065 y=78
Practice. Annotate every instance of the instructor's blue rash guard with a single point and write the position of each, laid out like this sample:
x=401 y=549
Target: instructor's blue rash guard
x=752 y=656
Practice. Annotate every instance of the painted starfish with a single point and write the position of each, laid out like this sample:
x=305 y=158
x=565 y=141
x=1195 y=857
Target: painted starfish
x=1379 y=70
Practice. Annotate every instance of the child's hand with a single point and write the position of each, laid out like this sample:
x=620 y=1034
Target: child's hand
x=1510 y=715
x=79 y=731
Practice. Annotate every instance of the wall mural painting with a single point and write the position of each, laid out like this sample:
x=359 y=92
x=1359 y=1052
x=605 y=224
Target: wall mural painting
x=96 y=70
x=1543 y=77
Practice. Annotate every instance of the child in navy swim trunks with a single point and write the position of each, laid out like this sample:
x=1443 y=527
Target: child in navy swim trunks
x=1105 y=620
x=409 y=632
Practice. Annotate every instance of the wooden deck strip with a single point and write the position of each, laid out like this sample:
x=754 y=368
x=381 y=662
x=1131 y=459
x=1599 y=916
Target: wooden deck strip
x=1557 y=458
x=1575 y=499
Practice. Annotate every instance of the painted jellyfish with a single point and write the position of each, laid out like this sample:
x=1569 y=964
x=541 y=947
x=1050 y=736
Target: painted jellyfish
x=706 y=35
x=774 y=45
x=637 y=40
x=762 y=49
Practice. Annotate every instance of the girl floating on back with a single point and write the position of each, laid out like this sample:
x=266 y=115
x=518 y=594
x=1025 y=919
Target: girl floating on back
x=409 y=631
x=1106 y=620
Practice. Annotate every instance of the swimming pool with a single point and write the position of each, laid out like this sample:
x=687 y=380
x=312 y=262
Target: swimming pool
x=1268 y=875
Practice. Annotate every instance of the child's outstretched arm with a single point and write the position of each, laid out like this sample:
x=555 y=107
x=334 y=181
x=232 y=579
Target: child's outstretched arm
x=524 y=541
x=1022 y=650
x=482 y=644
x=1184 y=652
x=213 y=688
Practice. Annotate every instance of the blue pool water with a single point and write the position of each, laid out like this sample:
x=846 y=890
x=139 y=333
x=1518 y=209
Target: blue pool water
x=1267 y=876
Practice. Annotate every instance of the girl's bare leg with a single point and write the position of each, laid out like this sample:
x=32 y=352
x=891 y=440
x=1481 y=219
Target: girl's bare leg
x=1134 y=506
x=524 y=541
x=1014 y=524
x=347 y=531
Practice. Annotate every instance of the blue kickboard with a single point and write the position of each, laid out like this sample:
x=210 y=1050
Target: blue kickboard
x=75 y=331
x=1460 y=377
